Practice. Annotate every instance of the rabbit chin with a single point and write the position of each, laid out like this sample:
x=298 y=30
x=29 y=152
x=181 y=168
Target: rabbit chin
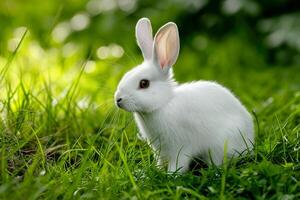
x=127 y=108
x=143 y=108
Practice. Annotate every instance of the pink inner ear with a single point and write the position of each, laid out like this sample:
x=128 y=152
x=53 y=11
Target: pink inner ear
x=162 y=64
x=161 y=52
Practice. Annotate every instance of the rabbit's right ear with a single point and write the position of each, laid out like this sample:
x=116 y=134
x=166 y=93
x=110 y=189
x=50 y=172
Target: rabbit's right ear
x=166 y=46
x=143 y=33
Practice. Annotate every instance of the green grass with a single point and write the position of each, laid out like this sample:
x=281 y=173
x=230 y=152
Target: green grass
x=62 y=137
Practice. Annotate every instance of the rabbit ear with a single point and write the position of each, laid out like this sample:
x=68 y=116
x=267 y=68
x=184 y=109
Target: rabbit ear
x=143 y=33
x=166 y=46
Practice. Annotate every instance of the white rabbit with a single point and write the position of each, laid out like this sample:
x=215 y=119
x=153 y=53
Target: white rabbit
x=181 y=121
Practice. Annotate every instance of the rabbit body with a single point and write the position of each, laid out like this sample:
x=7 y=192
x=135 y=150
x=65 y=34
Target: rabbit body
x=184 y=121
x=199 y=119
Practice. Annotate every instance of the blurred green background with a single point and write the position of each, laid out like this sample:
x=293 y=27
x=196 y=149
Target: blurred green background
x=216 y=37
x=269 y=28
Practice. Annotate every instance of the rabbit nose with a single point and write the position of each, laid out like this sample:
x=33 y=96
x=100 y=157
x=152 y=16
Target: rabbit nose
x=119 y=102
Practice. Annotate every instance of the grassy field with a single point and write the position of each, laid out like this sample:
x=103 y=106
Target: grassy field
x=62 y=137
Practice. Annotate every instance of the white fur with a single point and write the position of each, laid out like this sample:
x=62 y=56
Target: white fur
x=143 y=33
x=184 y=121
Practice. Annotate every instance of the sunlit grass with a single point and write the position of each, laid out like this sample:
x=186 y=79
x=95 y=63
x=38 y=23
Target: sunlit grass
x=62 y=137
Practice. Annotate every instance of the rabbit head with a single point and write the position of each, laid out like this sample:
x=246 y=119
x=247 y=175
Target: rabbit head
x=150 y=85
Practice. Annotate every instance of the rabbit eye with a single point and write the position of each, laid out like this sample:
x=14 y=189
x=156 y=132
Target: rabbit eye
x=144 y=83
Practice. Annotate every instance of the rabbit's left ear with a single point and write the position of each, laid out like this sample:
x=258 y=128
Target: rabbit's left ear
x=143 y=34
x=166 y=46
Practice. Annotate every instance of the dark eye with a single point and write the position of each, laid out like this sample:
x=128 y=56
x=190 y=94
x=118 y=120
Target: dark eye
x=144 y=83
